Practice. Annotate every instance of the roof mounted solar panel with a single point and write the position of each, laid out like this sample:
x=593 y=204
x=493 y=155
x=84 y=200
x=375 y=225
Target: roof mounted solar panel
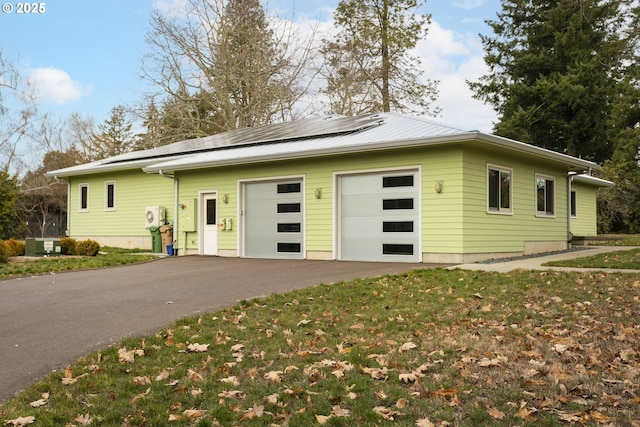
x=268 y=134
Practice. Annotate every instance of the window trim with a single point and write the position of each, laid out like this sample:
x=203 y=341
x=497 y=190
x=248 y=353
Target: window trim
x=545 y=213
x=108 y=208
x=80 y=187
x=573 y=203
x=499 y=210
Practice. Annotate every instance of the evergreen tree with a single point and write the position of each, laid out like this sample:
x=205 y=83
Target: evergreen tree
x=368 y=65
x=555 y=72
x=115 y=135
x=9 y=226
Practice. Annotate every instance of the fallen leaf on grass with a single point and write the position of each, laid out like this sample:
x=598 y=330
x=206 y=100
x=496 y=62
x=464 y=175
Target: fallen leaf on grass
x=424 y=422
x=407 y=346
x=496 y=413
x=375 y=373
x=275 y=376
x=141 y=381
x=40 y=402
x=231 y=394
x=198 y=348
x=256 y=412
x=141 y=395
x=386 y=413
x=231 y=380
x=128 y=356
x=84 y=420
x=21 y=421
x=189 y=414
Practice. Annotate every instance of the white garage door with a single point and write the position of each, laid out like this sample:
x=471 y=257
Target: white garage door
x=380 y=217
x=273 y=219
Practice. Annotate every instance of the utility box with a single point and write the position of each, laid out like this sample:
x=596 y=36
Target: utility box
x=187 y=215
x=42 y=247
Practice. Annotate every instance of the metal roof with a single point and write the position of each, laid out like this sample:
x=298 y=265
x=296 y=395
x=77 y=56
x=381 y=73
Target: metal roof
x=306 y=138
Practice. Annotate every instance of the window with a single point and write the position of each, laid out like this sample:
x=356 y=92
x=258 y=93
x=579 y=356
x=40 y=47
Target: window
x=499 y=190
x=397 y=204
x=110 y=196
x=83 y=198
x=397 y=181
x=288 y=207
x=545 y=196
x=289 y=188
x=574 y=204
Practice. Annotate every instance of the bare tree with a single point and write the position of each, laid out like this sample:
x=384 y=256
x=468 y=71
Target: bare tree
x=18 y=112
x=222 y=64
x=368 y=65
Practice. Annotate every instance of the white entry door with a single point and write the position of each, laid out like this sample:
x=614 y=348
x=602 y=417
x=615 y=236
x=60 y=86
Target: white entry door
x=209 y=224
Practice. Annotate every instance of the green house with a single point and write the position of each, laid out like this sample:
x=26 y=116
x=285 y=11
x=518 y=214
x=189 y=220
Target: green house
x=386 y=187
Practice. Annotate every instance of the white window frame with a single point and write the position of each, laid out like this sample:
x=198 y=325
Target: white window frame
x=80 y=187
x=500 y=210
x=545 y=213
x=108 y=208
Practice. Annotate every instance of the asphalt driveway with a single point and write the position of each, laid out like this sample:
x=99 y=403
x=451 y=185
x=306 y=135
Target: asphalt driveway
x=47 y=322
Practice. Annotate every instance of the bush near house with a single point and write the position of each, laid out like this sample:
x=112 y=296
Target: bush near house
x=68 y=246
x=5 y=252
x=17 y=247
x=87 y=248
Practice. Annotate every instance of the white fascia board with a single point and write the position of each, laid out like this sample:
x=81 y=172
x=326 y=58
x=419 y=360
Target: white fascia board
x=592 y=180
x=97 y=167
x=192 y=162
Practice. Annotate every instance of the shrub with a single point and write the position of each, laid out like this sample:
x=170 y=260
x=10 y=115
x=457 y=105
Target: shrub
x=17 y=247
x=68 y=246
x=5 y=252
x=87 y=248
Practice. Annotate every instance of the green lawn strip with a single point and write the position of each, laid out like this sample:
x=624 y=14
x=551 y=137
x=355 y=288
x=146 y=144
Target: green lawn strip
x=108 y=257
x=619 y=259
x=433 y=346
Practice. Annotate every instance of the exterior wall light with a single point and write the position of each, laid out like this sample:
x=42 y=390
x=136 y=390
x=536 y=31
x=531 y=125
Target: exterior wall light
x=318 y=193
x=439 y=185
x=225 y=198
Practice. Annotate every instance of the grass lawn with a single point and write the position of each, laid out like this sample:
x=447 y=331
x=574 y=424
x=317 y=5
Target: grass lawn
x=432 y=347
x=108 y=257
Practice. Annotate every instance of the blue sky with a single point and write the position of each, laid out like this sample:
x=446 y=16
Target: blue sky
x=85 y=55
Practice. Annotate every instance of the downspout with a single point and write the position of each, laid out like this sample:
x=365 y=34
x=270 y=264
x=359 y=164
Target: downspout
x=68 y=221
x=176 y=188
x=569 y=188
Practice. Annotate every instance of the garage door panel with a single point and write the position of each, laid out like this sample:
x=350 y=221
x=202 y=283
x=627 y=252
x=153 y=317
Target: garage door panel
x=274 y=220
x=379 y=216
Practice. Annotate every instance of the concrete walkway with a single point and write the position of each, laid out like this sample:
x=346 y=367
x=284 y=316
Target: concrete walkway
x=537 y=263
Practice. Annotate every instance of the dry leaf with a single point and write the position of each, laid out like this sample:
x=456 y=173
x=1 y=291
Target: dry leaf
x=231 y=394
x=193 y=414
x=194 y=376
x=408 y=378
x=275 y=376
x=256 y=412
x=340 y=412
x=84 y=420
x=402 y=403
x=126 y=356
x=322 y=419
x=376 y=374
x=496 y=413
x=21 y=421
x=141 y=395
x=231 y=380
x=386 y=413
x=40 y=402
x=407 y=346
x=163 y=375
x=141 y=381
x=424 y=422
x=197 y=348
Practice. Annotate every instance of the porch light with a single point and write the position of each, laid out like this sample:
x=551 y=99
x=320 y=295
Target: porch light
x=439 y=185
x=318 y=193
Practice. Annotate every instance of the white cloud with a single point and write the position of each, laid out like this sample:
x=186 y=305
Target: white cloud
x=55 y=86
x=467 y=4
x=453 y=58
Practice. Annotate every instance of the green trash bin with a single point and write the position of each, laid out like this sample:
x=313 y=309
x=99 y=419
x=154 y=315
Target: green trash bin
x=156 y=239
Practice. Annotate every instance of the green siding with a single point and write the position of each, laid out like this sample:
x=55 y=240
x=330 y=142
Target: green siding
x=454 y=221
x=486 y=232
x=585 y=221
x=134 y=191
